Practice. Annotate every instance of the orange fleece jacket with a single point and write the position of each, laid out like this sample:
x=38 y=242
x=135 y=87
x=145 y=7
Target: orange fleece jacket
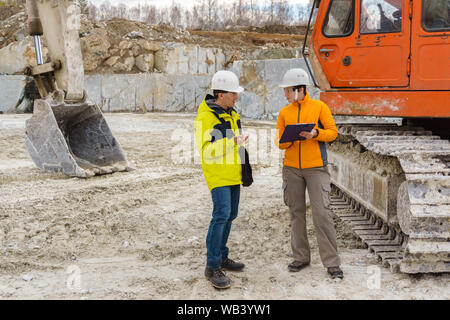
x=309 y=153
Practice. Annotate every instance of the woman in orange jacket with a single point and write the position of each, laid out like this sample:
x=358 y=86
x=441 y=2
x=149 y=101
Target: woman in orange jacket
x=305 y=167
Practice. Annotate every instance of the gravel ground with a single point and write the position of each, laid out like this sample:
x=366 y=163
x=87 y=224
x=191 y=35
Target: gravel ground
x=141 y=234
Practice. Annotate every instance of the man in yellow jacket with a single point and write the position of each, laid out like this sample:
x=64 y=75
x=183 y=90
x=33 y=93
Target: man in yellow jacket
x=305 y=167
x=218 y=138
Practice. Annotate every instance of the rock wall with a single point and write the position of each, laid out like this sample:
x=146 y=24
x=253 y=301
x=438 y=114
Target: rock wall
x=131 y=66
x=147 y=92
x=184 y=86
x=178 y=58
x=18 y=55
x=260 y=78
x=10 y=89
x=181 y=89
x=141 y=56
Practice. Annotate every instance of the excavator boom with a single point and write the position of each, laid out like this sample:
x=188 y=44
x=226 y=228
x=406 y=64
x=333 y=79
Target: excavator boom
x=67 y=132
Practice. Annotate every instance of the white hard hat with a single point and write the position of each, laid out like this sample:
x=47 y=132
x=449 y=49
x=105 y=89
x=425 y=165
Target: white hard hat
x=226 y=81
x=295 y=77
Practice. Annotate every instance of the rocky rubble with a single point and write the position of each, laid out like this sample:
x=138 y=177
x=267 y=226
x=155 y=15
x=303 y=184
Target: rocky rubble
x=123 y=46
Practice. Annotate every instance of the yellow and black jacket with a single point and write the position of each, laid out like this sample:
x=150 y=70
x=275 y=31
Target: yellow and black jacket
x=221 y=162
x=309 y=153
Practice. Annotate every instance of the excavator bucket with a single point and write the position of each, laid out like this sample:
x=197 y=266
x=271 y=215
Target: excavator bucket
x=74 y=139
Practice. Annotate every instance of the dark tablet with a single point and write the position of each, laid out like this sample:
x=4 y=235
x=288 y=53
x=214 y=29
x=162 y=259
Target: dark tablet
x=292 y=131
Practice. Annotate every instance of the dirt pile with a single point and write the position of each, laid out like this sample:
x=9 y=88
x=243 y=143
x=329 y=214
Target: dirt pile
x=8 y=11
x=295 y=30
x=12 y=24
x=224 y=39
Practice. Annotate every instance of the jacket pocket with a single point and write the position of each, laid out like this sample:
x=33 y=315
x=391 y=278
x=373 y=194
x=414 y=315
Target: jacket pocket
x=326 y=189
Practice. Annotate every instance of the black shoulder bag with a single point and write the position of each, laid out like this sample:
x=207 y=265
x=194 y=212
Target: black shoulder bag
x=247 y=177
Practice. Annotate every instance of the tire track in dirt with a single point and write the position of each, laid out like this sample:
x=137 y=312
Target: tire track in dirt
x=68 y=222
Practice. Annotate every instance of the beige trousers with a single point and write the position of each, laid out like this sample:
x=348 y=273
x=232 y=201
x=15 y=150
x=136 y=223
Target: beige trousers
x=317 y=181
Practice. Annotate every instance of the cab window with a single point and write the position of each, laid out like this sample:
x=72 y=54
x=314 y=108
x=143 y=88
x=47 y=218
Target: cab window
x=380 y=16
x=339 y=20
x=436 y=15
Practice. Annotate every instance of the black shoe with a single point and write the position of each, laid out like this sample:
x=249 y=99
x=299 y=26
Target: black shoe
x=218 y=279
x=335 y=272
x=296 y=266
x=231 y=265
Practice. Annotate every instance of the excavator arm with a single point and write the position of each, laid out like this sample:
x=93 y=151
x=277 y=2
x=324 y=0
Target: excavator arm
x=67 y=132
x=60 y=25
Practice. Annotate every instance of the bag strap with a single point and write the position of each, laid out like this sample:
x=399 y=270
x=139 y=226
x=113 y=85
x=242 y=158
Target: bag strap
x=217 y=116
x=223 y=121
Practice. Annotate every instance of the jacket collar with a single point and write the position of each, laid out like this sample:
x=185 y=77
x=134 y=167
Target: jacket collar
x=305 y=99
x=296 y=104
x=211 y=103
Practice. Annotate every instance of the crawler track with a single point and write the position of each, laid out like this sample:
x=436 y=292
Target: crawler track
x=384 y=241
x=392 y=184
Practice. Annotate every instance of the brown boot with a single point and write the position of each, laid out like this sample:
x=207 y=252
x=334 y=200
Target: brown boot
x=296 y=266
x=335 y=272
x=231 y=265
x=218 y=279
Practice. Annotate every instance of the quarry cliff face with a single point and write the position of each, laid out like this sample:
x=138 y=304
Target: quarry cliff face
x=125 y=46
x=132 y=66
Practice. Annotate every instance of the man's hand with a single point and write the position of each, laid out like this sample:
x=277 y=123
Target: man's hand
x=240 y=139
x=308 y=135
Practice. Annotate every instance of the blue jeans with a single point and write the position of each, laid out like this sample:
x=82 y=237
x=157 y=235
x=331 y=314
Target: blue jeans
x=226 y=203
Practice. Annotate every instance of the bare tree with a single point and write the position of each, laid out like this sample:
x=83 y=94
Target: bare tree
x=83 y=5
x=208 y=9
x=105 y=10
x=188 y=18
x=206 y=14
x=255 y=14
x=149 y=13
x=93 y=12
x=175 y=14
x=122 y=11
x=271 y=9
x=163 y=16
x=242 y=14
x=302 y=13
x=283 y=12
x=135 y=13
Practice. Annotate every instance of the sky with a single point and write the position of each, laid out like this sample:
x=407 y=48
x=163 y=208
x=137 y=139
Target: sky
x=186 y=3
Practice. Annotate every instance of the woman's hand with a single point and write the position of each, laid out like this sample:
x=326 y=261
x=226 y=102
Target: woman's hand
x=309 y=135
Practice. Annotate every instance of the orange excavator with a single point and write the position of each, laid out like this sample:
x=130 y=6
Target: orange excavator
x=389 y=58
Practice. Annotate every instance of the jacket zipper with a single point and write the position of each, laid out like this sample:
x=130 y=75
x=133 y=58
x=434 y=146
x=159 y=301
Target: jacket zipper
x=299 y=142
x=232 y=123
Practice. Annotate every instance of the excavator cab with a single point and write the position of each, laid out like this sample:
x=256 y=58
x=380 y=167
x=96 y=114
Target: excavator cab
x=397 y=49
x=389 y=58
x=67 y=133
